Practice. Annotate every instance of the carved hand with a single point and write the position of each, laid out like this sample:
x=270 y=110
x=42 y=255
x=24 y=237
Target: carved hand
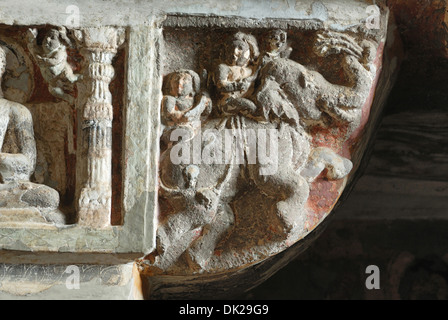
x=203 y=106
x=64 y=37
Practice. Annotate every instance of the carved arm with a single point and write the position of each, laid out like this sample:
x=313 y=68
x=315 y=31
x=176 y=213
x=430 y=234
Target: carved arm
x=227 y=86
x=204 y=105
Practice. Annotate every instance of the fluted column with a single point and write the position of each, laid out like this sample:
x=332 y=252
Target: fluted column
x=99 y=46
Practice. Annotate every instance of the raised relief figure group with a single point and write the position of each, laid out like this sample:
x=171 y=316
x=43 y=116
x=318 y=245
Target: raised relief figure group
x=52 y=50
x=252 y=90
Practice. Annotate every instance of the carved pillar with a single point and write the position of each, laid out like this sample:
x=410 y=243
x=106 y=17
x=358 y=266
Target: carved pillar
x=99 y=46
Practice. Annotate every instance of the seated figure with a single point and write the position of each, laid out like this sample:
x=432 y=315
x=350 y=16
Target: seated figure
x=18 y=161
x=184 y=105
x=235 y=76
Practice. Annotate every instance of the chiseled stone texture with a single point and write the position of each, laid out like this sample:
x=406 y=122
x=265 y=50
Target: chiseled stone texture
x=136 y=71
x=312 y=84
x=61 y=276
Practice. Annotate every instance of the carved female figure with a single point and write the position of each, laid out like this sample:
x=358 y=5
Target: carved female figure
x=183 y=105
x=235 y=76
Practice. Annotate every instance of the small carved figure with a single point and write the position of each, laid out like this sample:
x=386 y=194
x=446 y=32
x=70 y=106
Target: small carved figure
x=235 y=77
x=180 y=229
x=203 y=222
x=51 y=57
x=183 y=104
x=277 y=46
x=18 y=157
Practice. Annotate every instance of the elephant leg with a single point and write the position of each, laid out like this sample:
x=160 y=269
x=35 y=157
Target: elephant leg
x=291 y=209
x=171 y=230
x=293 y=191
x=201 y=250
x=169 y=258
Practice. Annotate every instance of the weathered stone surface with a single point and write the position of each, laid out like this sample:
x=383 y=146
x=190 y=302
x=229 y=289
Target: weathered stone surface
x=58 y=102
x=229 y=216
x=17 y=164
x=59 y=276
x=107 y=95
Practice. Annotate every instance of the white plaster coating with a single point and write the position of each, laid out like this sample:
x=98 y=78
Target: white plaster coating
x=134 y=12
x=141 y=134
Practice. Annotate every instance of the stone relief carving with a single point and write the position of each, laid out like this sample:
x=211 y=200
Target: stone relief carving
x=51 y=57
x=277 y=46
x=91 y=158
x=198 y=145
x=21 y=198
x=195 y=146
x=249 y=138
x=217 y=215
x=98 y=46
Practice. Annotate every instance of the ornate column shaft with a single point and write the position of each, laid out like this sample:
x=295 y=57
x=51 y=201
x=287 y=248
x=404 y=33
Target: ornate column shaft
x=99 y=48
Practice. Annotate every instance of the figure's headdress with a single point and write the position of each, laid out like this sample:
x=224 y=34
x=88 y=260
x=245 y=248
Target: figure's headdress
x=194 y=76
x=251 y=41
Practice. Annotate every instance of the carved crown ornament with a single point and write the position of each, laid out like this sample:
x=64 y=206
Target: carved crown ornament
x=204 y=144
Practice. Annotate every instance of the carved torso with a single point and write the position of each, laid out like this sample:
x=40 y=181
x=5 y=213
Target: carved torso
x=16 y=130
